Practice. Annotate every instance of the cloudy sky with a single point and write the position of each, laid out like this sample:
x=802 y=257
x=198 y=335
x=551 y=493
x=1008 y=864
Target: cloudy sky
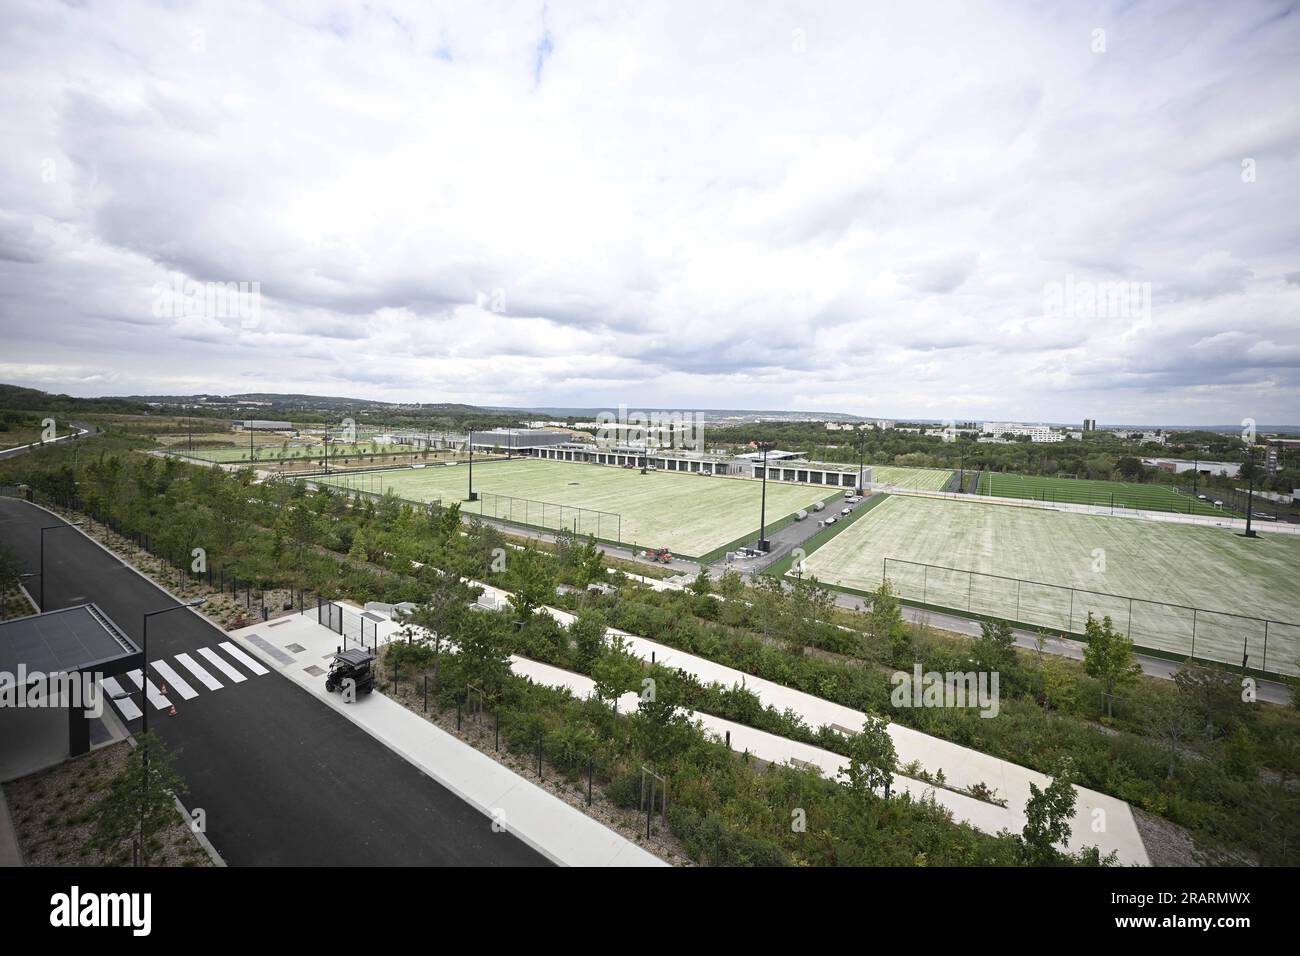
x=879 y=208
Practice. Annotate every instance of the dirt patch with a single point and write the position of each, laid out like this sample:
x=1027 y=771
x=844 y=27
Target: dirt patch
x=55 y=813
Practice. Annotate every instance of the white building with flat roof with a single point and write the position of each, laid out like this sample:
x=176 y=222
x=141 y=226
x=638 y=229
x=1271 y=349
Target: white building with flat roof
x=1036 y=433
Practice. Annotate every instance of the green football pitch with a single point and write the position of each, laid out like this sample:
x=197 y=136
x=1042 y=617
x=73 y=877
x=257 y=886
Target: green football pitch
x=1117 y=494
x=922 y=479
x=688 y=514
x=1051 y=568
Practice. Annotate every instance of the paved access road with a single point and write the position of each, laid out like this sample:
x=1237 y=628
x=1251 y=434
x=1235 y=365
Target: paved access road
x=283 y=779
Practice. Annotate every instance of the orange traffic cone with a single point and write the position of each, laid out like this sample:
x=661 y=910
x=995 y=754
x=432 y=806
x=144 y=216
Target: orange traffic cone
x=163 y=691
x=172 y=712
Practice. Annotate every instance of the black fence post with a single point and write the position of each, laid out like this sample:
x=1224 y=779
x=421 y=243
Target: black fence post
x=539 y=755
x=590 y=767
x=496 y=728
x=426 y=693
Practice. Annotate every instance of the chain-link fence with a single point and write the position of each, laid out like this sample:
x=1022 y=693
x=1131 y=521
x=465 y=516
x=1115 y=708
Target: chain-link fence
x=605 y=525
x=1170 y=629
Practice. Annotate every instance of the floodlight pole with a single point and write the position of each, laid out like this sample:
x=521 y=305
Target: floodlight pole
x=1250 y=493
x=469 y=443
x=762 y=508
x=862 y=461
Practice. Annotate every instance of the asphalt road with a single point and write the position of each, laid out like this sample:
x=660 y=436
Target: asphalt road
x=17 y=450
x=283 y=779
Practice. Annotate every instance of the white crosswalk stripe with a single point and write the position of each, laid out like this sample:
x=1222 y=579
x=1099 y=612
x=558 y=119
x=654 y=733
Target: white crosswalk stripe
x=243 y=658
x=158 y=700
x=175 y=680
x=118 y=695
x=219 y=662
x=198 y=670
x=177 y=686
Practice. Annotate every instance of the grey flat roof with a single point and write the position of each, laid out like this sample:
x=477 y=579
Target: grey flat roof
x=64 y=641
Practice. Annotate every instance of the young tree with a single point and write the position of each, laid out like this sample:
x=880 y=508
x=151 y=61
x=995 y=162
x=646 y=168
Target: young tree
x=872 y=758
x=616 y=671
x=587 y=632
x=731 y=585
x=300 y=525
x=531 y=578
x=1214 y=695
x=588 y=563
x=442 y=613
x=358 y=550
x=485 y=643
x=994 y=650
x=885 y=623
x=141 y=801
x=1048 y=814
x=1172 y=723
x=1060 y=689
x=1108 y=656
x=701 y=586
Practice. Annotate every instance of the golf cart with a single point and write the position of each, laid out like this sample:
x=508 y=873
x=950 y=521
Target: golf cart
x=354 y=664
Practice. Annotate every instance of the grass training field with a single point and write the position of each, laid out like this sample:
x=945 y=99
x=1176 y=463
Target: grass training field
x=1118 y=494
x=276 y=451
x=1193 y=566
x=922 y=479
x=688 y=514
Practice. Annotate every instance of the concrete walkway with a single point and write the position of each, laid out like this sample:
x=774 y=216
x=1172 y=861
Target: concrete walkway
x=1099 y=820
x=297 y=645
x=776 y=749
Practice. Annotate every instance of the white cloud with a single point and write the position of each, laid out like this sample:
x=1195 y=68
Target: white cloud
x=530 y=204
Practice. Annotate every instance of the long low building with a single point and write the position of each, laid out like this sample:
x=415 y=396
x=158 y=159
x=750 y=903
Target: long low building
x=1180 y=466
x=743 y=466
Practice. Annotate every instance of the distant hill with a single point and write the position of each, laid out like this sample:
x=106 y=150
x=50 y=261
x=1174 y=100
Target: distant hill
x=17 y=398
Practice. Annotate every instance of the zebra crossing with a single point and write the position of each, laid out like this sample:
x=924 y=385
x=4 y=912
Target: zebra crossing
x=180 y=686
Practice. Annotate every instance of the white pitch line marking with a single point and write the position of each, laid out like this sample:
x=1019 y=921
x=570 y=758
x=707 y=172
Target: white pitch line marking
x=199 y=671
x=176 y=680
x=243 y=658
x=219 y=662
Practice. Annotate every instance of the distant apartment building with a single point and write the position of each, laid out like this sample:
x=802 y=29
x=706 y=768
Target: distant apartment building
x=1036 y=433
x=1090 y=424
x=257 y=425
x=1139 y=435
x=1179 y=466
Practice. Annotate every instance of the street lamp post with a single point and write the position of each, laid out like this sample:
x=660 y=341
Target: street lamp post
x=763 y=544
x=1250 y=492
x=144 y=694
x=469 y=443
x=49 y=527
